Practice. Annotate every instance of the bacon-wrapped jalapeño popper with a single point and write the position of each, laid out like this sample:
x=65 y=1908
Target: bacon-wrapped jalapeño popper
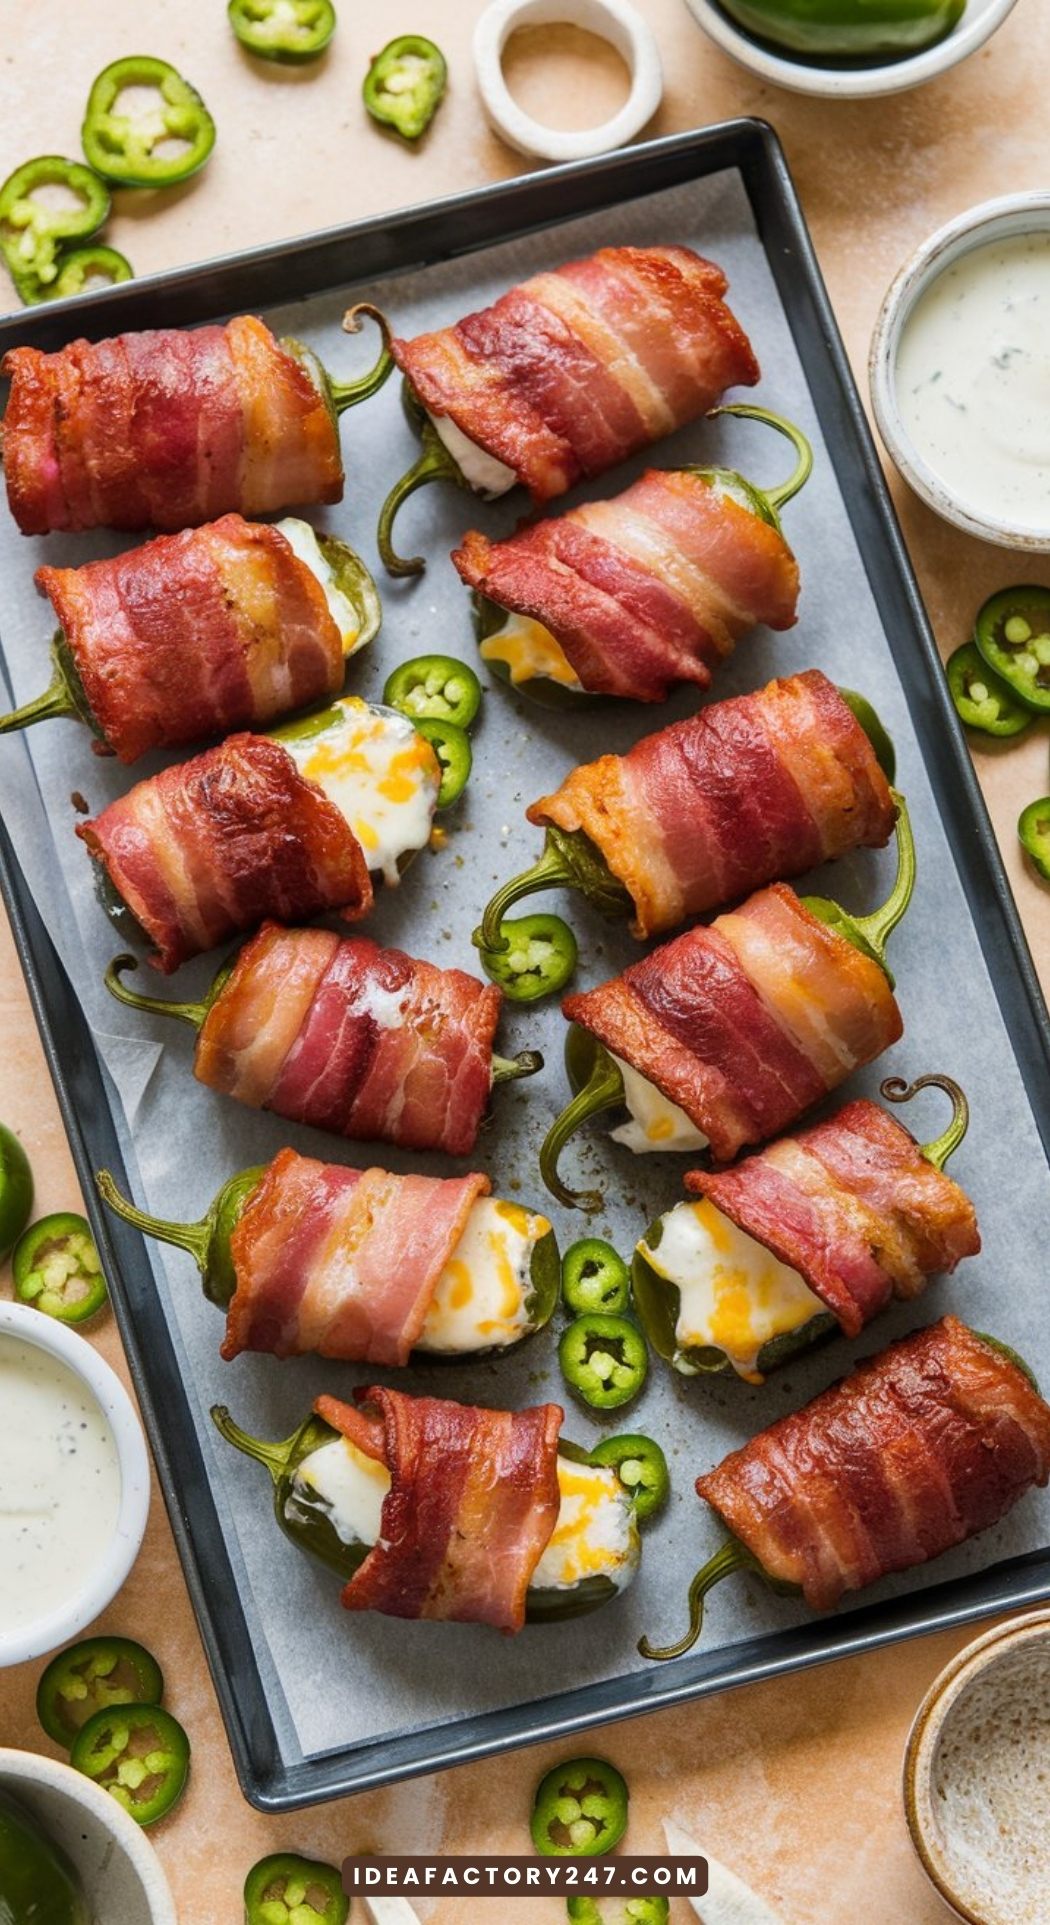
x=288 y=824
x=817 y=1233
x=917 y=1450
x=432 y=1509
x=567 y=374
x=364 y=1265
x=750 y=790
x=174 y=426
x=333 y=1031
x=726 y=1035
x=192 y=635
x=632 y=596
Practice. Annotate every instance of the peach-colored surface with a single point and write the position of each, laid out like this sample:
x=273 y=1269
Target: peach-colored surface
x=796 y=1784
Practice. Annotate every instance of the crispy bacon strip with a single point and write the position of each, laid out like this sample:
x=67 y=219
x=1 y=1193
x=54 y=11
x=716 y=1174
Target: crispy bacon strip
x=760 y=787
x=918 y=1449
x=165 y=428
x=747 y=1023
x=650 y=589
x=853 y=1206
x=473 y=1501
x=212 y=846
x=366 y=1042
x=574 y=370
x=342 y=1263
x=196 y=634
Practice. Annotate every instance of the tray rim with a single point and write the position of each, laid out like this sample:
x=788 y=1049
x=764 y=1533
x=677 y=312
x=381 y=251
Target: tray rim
x=468 y=222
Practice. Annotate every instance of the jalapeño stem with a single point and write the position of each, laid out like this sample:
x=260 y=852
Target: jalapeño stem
x=603 y=1090
x=192 y=1013
x=433 y=464
x=776 y=497
x=550 y=871
x=346 y=394
x=54 y=701
x=733 y=1556
x=508 y=1069
x=877 y=928
x=896 y=1090
x=275 y=1456
x=194 y=1237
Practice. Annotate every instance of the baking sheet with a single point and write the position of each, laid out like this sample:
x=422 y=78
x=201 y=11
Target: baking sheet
x=344 y=1681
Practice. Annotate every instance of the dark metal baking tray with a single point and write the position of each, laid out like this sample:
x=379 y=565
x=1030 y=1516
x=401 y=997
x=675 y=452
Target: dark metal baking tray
x=272 y=1778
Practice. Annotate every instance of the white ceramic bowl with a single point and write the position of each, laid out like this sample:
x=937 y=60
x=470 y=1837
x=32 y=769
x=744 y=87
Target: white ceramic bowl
x=993 y=1696
x=118 y=1866
x=996 y=220
x=977 y=25
x=104 y=1581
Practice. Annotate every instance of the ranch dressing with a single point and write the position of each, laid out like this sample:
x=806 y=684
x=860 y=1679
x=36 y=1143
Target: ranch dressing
x=973 y=380
x=60 y=1484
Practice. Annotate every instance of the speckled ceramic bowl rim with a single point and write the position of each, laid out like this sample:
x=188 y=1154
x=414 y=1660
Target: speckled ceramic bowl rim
x=944 y=1693
x=1010 y=215
x=851 y=83
x=47 y=1633
x=29 y=1769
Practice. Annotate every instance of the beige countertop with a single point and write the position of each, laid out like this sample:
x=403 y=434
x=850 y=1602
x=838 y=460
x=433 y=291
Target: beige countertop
x=796 y=1783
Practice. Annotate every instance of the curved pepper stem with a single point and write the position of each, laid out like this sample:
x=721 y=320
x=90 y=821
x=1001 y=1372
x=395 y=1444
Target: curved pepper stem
x=896 y=1090
x=776 y=497
x=877 y=928
x=510 y=1069
x=192 y=1013
x=551 y=871
x=275 y=1456
x=54 y=701
x=733 y=1556
x=193 y=1237
x=347 y=394
x=603 y=1090
x=434 y=464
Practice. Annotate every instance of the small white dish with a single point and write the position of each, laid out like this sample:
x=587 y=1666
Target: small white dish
x=976 y=1779
x=104 y=1580
x=1006 y=218
x=615 y=21
x=119 y=1869
x=980 y=20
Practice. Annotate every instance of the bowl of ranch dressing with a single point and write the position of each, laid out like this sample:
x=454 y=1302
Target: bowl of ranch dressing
x=74 y=1483
x=960 y=372
x=977 y=1777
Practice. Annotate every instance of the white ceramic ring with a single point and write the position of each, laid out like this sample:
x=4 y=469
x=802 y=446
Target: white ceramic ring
x=616 y=21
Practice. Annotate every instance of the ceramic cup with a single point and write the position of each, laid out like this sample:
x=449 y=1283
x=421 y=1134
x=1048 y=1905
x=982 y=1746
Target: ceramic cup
x=979 y=21
x=119 y=1869
x=104 y=1580
x=977 y=1777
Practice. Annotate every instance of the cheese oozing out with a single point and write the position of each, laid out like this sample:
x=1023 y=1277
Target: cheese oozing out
x=382 y=775
x=595 y=1534
x=485 y=473
x=303 y=540
x=482 y=1294
x=734 y=1294
x=656 y=1123
x=528 y=650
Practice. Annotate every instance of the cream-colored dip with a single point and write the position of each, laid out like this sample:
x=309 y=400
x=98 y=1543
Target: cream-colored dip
x=60 y=1484
x=973 y=380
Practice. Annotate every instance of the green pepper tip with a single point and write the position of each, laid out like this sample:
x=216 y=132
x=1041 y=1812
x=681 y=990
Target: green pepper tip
x=775 y=498
x=192 y=1013
x=434 y=463
x=347 y=394
x=602 y=1090
x=732 y=1556
x=896 y=1090
x=510 y=1069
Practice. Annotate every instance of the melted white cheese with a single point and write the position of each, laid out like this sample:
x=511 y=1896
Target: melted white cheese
x=528 y=650
x=595 y=1534
x=382 y=775
x=481 y=1296
x=656 y=1123
x=301 y=537
x=734 y=1293
x=485 y=474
